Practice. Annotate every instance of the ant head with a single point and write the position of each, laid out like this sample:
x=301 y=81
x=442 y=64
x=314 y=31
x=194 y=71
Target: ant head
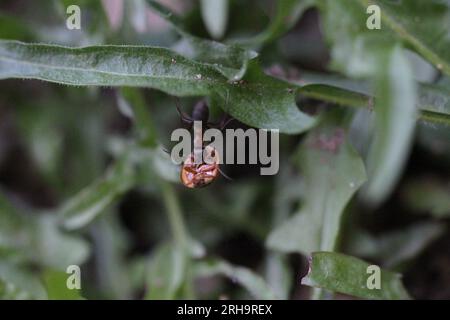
x=201 y=111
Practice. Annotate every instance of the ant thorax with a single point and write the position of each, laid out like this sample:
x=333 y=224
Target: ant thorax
x=198 y=142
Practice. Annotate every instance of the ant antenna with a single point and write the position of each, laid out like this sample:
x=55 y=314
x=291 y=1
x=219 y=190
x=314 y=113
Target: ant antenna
x=224 y=124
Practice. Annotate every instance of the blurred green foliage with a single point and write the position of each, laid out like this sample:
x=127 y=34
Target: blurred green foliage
x=84 y=179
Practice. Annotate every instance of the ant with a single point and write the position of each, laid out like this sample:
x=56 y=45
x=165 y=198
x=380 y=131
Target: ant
x=194 y=174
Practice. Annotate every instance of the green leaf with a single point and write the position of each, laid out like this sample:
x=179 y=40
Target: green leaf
x=166 y=272
x=395 y=123
x=85 y=206
x=19 y=283
x=56 y=285
x=288 y=12
x=349 y=275
x=256 y=285
x=50 y=246
x=138 y=15
x=333 y=172
x=215 y=16
x=344 y=25
x=258 y=100
x=423 y=25
x=229 y=60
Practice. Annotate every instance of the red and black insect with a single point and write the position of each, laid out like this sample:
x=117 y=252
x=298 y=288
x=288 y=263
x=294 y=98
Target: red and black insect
x=193 y=174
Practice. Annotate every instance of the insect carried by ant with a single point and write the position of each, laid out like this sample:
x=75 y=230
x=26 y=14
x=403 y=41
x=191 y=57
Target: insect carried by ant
x=194 y=173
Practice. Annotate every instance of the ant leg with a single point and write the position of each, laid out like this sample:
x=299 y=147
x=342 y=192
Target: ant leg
x=184 y=117
x=222 y=124
x=166 y=150
x=224 y=175
x=225 y=122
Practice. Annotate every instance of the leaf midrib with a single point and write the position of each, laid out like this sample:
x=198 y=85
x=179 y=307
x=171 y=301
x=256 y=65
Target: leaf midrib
x=87 y=70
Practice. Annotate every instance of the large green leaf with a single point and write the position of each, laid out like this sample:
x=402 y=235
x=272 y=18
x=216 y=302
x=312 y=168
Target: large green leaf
x=258 y=100
x=349 y=275
x=333 y=172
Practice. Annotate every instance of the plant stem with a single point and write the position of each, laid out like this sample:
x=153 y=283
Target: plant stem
x=358 y=100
